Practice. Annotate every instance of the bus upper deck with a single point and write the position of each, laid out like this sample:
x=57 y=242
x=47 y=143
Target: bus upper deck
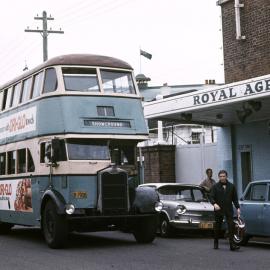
x=79 y=94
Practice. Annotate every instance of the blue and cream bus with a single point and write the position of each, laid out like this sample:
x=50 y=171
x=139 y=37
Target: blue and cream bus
x=68 y=135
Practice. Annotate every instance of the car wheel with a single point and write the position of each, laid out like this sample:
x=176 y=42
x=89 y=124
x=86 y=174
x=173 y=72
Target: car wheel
x=165 y=227
x=54 y=227
x=245 y=239
x=5 y=227
x=145 y=229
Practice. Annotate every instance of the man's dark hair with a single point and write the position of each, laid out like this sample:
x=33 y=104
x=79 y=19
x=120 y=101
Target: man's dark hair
x=221 y=172
x=207 y=170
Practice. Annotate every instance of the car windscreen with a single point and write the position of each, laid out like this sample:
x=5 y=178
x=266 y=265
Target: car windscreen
x=175 y=193
x=79 y=149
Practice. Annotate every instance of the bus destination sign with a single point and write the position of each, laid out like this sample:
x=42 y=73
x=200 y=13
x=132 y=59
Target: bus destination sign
x=107 y=123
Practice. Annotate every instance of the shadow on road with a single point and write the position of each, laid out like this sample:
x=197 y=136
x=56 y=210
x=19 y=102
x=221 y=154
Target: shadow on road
x=75 y=240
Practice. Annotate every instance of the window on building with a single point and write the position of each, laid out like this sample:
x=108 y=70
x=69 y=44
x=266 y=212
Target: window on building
x=38 y=80
x=50 y=82
x=11 y=162
x=2 y=163
x=26 y=89
x=195 y=136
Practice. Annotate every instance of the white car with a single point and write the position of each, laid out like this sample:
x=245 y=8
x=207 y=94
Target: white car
x=185 y=206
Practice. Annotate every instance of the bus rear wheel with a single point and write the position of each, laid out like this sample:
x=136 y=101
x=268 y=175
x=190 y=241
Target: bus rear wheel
x=145 y=230
x=5 y=227
x=54 y=227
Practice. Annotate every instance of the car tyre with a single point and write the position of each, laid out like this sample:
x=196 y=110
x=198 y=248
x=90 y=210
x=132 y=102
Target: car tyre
x=5 y=228
x=54 y=227
x=165 y=227
x=145 y=230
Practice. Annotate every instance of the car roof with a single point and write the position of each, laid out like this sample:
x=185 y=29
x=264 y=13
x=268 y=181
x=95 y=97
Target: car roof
x=158 y=185
x=260 y=181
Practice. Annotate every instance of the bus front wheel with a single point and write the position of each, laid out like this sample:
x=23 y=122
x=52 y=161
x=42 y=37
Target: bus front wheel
x=145 y=230
x=54 y=227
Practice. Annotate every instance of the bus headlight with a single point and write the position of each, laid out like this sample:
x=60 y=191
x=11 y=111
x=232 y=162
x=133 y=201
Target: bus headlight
x=181 y=209
x=70 y=209
x=158 y=206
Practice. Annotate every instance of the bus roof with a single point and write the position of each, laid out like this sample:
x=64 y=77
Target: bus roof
x=75 y=59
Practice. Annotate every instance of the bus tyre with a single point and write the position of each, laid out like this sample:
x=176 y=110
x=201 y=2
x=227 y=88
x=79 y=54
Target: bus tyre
x=5 y=228
x=145 y=230
x=165 y=227
x=54 y=227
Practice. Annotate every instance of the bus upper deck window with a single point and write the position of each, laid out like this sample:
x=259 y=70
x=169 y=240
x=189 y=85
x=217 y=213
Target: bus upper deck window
x=80 y=79
x=38 y=80
x=7 y=98
x=16 y=95
x=1 y=100
x=117 y=82
x=50 y=82
x=26 y=89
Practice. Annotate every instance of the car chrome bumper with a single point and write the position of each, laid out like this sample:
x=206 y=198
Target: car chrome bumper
x=192 y=224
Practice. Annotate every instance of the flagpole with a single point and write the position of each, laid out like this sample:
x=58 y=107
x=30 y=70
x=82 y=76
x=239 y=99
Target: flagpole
x=140 y=61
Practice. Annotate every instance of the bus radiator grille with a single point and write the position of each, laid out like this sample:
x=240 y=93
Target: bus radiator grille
x=114 y=193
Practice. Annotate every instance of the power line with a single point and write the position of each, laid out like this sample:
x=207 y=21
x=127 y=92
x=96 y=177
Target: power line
x=44 y=32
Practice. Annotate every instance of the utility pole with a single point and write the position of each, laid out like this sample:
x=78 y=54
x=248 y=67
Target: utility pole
x=44 y=32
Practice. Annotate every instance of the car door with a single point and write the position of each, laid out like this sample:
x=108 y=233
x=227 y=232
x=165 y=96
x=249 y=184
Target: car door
x=252 y=208
x=266 y=213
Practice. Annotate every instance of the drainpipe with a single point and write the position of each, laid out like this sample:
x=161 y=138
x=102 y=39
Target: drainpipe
x=237 y=7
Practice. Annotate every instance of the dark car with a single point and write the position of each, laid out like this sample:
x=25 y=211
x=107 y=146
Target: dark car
x=185 y=206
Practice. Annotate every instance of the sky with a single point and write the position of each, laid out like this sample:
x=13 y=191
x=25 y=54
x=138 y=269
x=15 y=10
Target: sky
x=183 y=36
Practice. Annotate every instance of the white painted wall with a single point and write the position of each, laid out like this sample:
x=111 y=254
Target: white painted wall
x=191 y=161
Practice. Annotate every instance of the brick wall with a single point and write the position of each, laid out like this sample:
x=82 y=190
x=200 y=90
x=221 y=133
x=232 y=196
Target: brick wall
x=244 y=59
x=159 y=163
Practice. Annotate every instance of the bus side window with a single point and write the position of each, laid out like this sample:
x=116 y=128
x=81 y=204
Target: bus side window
x=16 y=94
x=50 y=82
x=11 y=160
x=26 y=89
x=2 y=163
x=38 y=81
x=30 y=162
x=21 y=159
x=42 y=152
x=8 y=98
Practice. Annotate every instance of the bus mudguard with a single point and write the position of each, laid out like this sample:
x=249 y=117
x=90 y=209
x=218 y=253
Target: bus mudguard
x=145 y=200
x=56 y=197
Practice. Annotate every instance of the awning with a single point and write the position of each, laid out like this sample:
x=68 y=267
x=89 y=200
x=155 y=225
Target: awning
x=236 y=103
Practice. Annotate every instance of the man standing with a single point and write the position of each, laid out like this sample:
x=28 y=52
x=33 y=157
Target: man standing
x=222 y=196
x=209 y=181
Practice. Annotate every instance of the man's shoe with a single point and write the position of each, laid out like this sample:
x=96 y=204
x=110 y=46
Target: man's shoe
x=215 y=244
x=234 y=247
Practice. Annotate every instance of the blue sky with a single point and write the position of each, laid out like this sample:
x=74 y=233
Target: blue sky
x=183 y=36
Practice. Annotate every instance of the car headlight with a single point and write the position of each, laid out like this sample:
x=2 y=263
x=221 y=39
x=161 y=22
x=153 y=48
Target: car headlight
x=158 y=206
x=181 y=209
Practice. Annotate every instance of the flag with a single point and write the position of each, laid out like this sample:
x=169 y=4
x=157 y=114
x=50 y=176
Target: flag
x=146 y=54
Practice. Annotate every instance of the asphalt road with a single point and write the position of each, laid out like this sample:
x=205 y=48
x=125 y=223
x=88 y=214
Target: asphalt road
x=25 y=248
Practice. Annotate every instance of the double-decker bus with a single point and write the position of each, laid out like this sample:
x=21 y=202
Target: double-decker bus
x=68 y=135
